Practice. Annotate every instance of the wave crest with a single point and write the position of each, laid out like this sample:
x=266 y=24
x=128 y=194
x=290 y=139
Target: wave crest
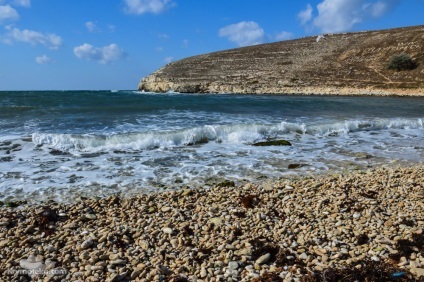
x=241 y=133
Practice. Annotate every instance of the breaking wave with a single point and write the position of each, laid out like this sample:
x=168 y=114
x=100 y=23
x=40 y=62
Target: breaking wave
x=241 y=133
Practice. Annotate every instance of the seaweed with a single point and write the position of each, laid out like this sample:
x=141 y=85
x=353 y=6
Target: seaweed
x=248 y=201
x=406 y=247
x=187 y=231
x=362 y=239
x=370 y=271
x=268 y=277
x=179 y=278
x=45 y=219
x=408 y=222
x=240 y=214
x=226 y=183
x=273 y=143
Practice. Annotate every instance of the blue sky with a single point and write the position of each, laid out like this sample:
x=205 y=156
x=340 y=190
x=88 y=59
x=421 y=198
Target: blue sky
x=93 y=44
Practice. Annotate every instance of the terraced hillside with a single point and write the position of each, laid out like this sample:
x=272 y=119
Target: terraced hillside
x=347 y=63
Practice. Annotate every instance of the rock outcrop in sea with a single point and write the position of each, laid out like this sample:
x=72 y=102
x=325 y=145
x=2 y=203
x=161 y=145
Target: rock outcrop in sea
x=346 y=63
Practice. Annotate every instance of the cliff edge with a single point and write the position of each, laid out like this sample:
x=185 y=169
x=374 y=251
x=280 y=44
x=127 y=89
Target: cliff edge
x=347 y=63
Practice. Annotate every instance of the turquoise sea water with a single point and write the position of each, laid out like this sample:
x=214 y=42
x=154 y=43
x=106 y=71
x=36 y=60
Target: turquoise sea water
x=59 y=144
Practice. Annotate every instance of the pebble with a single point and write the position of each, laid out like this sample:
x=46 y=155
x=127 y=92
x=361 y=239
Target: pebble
x=303 y=256
x=263 y=259
x=90 y=216
x=87 y=244
x=165 y=209
x=167 y=230
x=118 y=262
x=233 y=265
x=216 y=220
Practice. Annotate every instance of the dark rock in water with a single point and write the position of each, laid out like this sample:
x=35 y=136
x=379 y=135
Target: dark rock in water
x=273 y=143
x=91 y=155
x=6 y=159
x=58 y=153
x=294 y=166
x=226 y=183
x=202 y=140
x=15 y=204
x=16 y=147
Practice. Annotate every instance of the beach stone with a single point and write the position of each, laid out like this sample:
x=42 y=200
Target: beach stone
x=4 y=243
x=203 y=272
x=164 y=270
x=118 y=262
x=186 y=192
x=135 y=274
x=4 y=223
x=263 y=259
x=167 y=230
x=165 y=209
x=233 y=265
x=50 y=249
x=87 y=244
x=96 y=267
x=113 y=256
x=419 y=272
x=303 y=256
x=71 y=225
x=90 y=216
x=216 y=220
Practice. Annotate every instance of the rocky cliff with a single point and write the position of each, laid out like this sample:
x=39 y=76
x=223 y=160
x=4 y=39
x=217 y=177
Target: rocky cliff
x=347 y=63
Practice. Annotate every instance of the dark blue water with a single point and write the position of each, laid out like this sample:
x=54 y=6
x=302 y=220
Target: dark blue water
x=62 y=143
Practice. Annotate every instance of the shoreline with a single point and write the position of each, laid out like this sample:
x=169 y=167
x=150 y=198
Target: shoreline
x=289 y=228
x=301 y=91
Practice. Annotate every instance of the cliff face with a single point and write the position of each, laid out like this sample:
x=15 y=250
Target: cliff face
x=348 y=63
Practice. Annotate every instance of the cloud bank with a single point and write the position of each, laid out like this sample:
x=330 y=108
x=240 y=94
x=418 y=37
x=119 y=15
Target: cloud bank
x=244 y=33
x=139 y=7
x=343 y=15
x=44 y=59
x=103 y=55
x=22 y=3
x=7 y=13
x=32 y=37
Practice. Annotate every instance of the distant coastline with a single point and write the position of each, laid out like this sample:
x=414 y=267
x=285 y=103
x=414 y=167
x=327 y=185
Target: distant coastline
x=337 y=64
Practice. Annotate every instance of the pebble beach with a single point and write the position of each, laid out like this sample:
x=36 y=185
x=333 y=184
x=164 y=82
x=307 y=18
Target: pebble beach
x=333 y=227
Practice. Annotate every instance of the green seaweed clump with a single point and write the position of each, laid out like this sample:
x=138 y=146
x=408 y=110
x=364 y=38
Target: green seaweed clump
x=273 y=143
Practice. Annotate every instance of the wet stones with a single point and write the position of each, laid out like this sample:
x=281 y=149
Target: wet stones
x=287 y=227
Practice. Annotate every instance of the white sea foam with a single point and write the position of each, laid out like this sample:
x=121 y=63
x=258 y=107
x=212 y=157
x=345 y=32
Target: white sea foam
x=241 y=133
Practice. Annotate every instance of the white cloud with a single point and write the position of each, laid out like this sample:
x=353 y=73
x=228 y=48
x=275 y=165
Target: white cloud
x=32 y=37
x=44 y=59
x=103 y=55
x=283 y=35
x=243 y=33
x=343 y=15
x=23 y=3
x=168 y=60
x=305 y=15
x=163 y=36
x=139 y=7
x=111 y=28
x=91 y=27
x=159 y=49
x=185 y=43
x=7 y=13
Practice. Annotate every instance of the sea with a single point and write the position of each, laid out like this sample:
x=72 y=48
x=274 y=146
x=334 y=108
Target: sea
x=64 y=145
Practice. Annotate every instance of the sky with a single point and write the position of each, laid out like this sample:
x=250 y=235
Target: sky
x=112 y=44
